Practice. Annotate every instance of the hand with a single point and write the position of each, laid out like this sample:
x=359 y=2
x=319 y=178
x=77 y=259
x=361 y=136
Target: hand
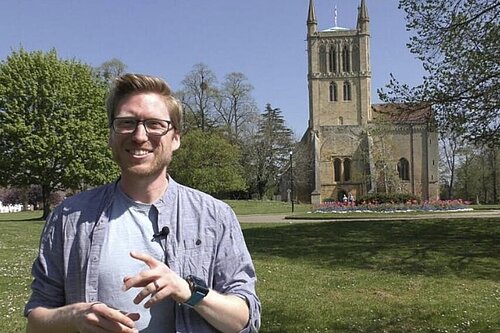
x=98 y=317
x=159 y=282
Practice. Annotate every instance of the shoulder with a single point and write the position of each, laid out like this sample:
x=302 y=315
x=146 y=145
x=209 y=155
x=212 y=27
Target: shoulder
x=195 y=200
x=91 y=196
x=86 y=203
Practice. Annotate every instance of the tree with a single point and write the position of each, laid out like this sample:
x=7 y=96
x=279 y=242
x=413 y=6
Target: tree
x=458 y=43
x=384 y=166
x=450 y=146
x=235 y=105
x=468 y=176
x=197 y=97
x=53 y=129
x=269 y=153
x=478 y=174
x=111 y=69
x=208 y=162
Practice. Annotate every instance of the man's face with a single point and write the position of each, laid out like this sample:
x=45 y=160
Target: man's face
x=139 y=154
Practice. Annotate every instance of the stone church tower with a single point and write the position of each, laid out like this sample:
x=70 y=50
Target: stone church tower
x=352 y=146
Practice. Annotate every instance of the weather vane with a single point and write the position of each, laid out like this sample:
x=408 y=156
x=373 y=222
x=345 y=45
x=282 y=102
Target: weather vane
x=335 y=15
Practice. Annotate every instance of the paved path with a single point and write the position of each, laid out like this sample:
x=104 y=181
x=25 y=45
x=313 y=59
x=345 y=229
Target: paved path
x=282 y=218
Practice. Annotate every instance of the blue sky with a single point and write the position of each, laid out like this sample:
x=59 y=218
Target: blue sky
x=264 y=39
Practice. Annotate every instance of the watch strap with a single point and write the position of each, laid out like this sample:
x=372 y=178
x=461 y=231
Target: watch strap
x=198 y=288
x=196 y=297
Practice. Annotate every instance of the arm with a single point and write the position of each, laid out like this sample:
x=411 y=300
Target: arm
x=227 y=313
x=80 y=317
x=47 y=309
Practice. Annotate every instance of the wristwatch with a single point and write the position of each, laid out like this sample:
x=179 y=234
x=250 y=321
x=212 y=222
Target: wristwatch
x=198 y=288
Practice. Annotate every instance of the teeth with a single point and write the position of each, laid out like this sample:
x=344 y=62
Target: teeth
x=139 y=152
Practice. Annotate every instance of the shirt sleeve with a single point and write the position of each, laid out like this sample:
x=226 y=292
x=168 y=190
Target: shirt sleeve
x=234 y=270
x=47 y=288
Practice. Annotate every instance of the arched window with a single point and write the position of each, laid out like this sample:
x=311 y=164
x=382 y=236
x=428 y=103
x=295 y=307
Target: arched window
x=347 y=91
x=404 y=169
x=346 y=59
x=333 y=92
x=337 y=165
x=341 y=121
x=322 y=59
x=347 y=169
x=333 y=59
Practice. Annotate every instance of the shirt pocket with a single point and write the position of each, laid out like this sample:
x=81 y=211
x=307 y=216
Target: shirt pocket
x=198 y=258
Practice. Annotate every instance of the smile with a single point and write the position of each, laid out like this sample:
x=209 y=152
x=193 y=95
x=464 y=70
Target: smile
x=138 y=152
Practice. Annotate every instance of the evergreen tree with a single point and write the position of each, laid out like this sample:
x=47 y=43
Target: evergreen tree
x=269 y=153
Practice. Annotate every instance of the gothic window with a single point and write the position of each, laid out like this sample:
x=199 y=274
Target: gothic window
x=333 y=92
x=337 y=164
x=347 y=169
x=341 y=121
x=346 y=59
x=333 y=60
x=322 y=59
x=404 y=169
x=347 y=91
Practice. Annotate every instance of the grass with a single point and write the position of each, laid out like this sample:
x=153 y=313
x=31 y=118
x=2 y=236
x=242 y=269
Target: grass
x=247 y=207
x=485 y=207
x=19 y=237
x=387 y=276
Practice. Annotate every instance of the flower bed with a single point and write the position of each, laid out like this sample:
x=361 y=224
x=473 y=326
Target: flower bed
x=409 y=206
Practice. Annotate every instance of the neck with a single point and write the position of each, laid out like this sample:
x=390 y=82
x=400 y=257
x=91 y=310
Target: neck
x=144 y=189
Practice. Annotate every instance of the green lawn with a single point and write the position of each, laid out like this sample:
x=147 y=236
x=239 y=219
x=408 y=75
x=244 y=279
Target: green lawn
x=247 y=207
x=389 y=276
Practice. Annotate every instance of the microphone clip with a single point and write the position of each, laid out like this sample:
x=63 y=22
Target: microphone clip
x=163 y=233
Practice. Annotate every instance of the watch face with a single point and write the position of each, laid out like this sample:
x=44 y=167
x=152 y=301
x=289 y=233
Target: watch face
x=198 y=282
x=198 y=288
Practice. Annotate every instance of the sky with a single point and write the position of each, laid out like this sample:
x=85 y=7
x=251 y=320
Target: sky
x=263 y=39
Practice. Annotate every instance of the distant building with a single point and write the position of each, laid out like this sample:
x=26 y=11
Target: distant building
x=351 y=145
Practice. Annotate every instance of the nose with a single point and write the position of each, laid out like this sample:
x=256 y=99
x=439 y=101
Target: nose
x=140 y=134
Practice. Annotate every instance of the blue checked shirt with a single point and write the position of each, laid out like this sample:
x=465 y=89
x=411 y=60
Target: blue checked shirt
x=205 y=240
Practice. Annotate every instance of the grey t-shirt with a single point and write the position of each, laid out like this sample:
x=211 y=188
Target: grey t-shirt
x=131 y=228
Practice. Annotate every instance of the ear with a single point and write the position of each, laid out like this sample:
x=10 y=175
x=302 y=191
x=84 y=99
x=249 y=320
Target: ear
x=176 y=141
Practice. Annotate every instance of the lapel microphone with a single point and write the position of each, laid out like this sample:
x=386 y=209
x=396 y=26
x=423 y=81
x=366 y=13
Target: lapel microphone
x=163 y=233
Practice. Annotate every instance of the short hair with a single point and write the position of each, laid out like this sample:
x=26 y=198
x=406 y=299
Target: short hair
x=129 y=84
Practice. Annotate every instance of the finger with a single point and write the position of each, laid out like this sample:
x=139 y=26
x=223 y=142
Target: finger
x=157 y=297
x=140 y=280
x=109 y=319
x=149 y=289
x=147 y=259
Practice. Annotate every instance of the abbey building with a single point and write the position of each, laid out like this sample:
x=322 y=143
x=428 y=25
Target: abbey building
x=351 y=145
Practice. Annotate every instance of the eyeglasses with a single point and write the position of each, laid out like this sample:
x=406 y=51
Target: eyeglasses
x=128 y=125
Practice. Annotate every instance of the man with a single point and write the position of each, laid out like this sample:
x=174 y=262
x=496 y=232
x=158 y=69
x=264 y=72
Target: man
x=143 y=254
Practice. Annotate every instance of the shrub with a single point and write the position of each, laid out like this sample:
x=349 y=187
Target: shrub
x=410 y=205
x=392 y=198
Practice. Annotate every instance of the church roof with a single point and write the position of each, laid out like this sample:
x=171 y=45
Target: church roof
x=336 y=29
x=403 y=113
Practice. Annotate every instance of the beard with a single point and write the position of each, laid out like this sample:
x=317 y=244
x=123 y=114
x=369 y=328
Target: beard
x=155 y=167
